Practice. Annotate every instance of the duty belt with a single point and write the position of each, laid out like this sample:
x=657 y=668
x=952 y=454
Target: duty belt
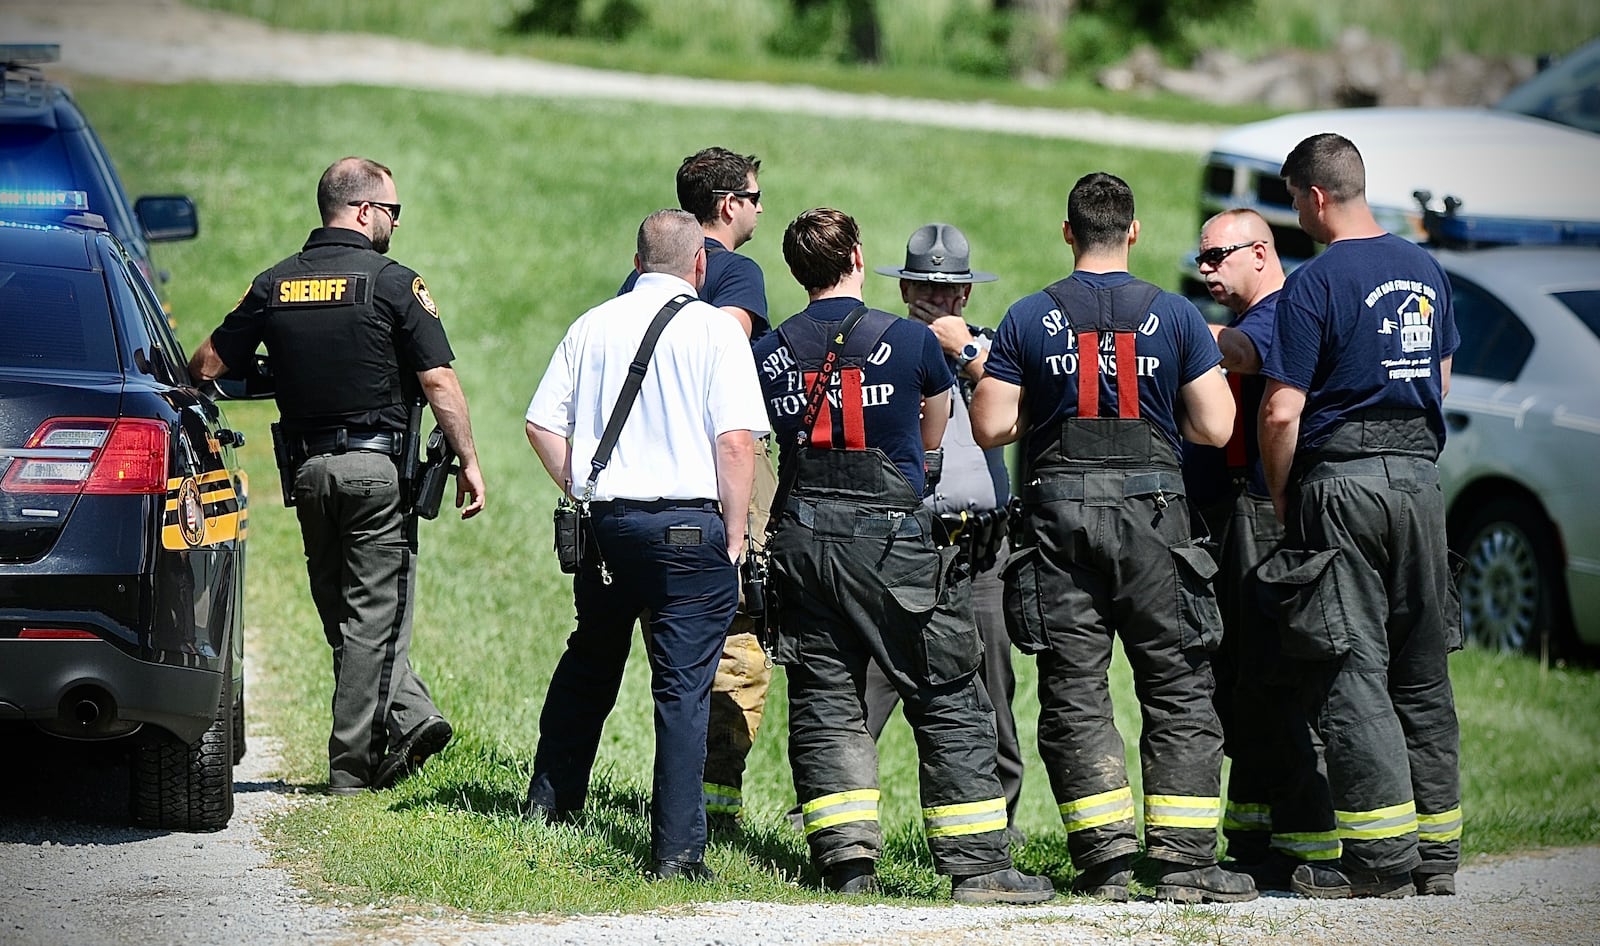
x=1105 y=484
x=343 y=441
x=901 y=525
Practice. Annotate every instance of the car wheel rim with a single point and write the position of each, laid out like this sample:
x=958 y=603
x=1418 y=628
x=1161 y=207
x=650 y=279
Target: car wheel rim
x=1500 y=589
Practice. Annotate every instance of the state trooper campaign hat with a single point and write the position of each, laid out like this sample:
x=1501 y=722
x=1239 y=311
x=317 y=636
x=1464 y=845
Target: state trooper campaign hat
x=937 y=252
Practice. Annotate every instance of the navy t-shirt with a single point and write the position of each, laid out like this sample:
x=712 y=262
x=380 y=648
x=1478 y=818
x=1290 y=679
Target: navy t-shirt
x=731 y=279
x=1364 y=325
x=1208 y=471
x=907 y=366
x=1037 y=348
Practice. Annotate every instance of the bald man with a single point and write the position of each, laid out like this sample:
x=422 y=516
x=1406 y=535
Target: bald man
x=1279 y=814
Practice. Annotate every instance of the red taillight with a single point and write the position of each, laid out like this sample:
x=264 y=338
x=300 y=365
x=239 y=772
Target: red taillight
x=54 y=634
x=93 y=455
x=134 y=459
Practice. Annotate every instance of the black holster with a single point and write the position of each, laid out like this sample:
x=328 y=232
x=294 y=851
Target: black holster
x=434 y=474
x=287 y=464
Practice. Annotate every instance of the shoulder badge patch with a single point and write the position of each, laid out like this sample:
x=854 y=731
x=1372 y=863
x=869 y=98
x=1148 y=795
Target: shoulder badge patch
x=420 y=290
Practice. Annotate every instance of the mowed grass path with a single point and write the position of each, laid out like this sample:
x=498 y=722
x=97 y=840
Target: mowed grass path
x=521 y=214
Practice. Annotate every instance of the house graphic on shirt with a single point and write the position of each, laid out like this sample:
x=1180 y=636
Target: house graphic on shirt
x=1416 y=324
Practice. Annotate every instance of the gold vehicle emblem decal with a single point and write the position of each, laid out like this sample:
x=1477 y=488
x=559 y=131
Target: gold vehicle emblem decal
x=191 y=513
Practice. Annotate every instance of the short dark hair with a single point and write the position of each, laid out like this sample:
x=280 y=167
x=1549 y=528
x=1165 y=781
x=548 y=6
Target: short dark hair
x=1100 y=211
x=817 y=247
x=349 y=179
x=714 y=169
x=668 y=242
x=1330 y=162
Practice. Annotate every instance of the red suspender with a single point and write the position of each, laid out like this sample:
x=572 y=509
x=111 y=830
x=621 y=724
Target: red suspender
x=821 y=433
x=1235 y=448
x=1088 y=374
x=855 y=431
x=1127 y=380
x=852 y=412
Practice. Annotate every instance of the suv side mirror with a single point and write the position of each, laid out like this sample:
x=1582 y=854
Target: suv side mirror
x=170 y=217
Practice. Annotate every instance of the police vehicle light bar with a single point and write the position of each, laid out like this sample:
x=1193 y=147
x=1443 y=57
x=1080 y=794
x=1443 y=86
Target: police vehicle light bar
x=44 y=200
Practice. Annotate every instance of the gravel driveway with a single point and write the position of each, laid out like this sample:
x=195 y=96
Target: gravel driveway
x=70 y=875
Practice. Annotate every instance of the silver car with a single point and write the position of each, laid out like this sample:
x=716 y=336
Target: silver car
x=1523 y=415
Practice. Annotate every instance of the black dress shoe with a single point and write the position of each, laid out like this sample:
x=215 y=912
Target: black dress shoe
x=682 y=870
x=413 y=749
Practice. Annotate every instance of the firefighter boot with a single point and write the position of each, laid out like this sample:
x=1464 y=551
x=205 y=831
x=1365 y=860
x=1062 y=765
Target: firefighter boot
x=1185 y=883
x=858 y=875
x=1332 y=882
x=1002 y=886
x=1271 y=872
x=1107 y=880
x=1434 y=885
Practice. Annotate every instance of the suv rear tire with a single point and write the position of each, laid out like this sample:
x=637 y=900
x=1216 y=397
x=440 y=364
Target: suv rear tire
x=186 y=787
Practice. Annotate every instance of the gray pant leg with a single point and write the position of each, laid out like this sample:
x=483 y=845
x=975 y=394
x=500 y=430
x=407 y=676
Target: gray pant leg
x=362 y=566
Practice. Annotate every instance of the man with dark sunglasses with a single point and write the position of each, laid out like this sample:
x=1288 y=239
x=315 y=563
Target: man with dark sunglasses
x=719 y=187
x=355 y=341
x=1278 y=811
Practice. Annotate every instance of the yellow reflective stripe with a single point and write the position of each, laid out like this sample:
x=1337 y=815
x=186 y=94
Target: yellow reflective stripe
x=1391 y=822
x=975 y=817
x=1444 y=826
x=1309 y=845
x=722 y=799
x=1094 y=811
x=1247 y=816
x=859 y=804
x=1182 y=811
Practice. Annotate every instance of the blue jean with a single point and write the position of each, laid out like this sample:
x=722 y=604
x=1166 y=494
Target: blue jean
x=668 y=558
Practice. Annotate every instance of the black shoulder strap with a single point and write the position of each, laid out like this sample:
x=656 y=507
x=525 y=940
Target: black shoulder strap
x=1118 y=312
x=630 y=390
x=819 y=387
x=1119 y=309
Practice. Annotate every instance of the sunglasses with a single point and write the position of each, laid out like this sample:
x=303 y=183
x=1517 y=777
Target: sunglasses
x=1215 y=255
x=393 y=210
x=753 y=197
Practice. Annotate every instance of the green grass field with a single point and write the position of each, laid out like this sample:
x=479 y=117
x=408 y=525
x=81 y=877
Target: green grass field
x=728 y=38
x=521 y=215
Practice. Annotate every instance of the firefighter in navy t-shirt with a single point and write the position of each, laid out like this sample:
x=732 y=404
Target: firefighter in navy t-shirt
x=1108 y=371
x=1351 y=426
x=856 y=397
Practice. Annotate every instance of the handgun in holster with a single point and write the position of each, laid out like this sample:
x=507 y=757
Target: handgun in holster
x=284 y=457
x=437 y=467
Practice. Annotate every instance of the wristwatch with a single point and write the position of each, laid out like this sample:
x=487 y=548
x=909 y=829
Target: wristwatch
x=968 y=352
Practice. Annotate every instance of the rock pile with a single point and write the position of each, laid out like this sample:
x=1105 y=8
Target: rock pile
x=1359 y=71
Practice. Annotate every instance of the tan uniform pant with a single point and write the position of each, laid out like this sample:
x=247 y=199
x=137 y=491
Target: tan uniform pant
x=739 y=694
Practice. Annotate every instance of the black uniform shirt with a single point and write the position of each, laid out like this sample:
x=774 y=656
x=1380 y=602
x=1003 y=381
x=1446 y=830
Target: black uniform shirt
x=347 y=329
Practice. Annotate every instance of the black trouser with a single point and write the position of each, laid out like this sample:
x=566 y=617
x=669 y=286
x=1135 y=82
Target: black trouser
x=1370 y=614
x=997 y=676
x=1277 y=786
x=860 y=580
x=690 y=589
x=361 y=556
x=1121 y=563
